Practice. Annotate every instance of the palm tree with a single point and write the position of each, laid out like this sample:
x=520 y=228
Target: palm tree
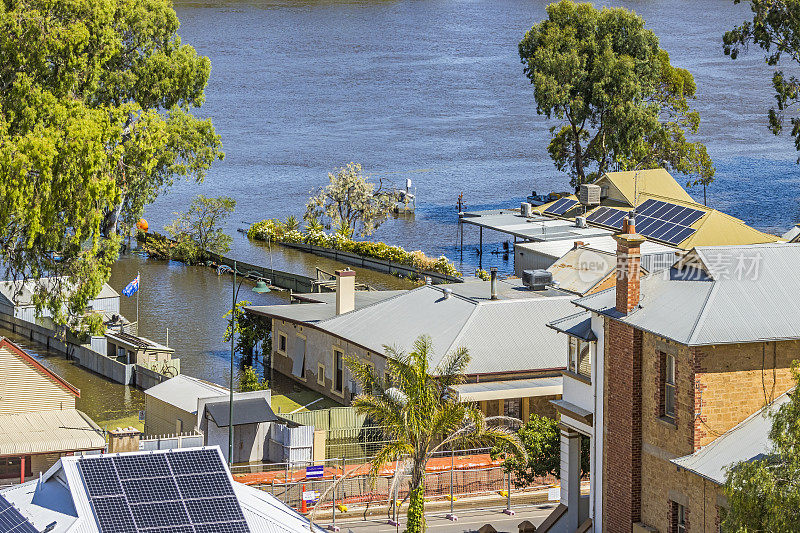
x=292 y=223
x=419 y=412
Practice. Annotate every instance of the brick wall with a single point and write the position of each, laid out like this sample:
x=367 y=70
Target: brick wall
x=623 y=431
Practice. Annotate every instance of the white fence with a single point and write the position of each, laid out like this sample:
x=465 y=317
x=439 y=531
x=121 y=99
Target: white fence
x=172 y=442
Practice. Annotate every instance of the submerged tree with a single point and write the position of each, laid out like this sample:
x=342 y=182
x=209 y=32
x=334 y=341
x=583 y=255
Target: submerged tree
x=764 y=494
x=351 y=203
x=421 y=415
x=249 y=330
x=95 y=120
x=775 y=28
x=619 y=102
x=200 y=228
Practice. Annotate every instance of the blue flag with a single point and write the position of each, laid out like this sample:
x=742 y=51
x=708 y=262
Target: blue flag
x=132 y=287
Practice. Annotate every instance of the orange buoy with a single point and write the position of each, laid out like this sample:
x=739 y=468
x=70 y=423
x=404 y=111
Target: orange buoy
x=142 y=224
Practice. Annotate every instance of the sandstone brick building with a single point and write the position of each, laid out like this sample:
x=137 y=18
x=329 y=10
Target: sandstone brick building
x=662 y=366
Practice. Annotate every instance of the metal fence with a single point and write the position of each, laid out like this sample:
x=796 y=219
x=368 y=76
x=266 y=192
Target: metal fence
x=449 y=476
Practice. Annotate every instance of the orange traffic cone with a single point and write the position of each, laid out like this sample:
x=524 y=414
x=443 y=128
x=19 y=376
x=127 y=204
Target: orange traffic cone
x=303 y=505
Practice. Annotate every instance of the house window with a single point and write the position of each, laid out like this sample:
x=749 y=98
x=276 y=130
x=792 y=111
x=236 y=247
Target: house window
x=580 y=357
x=669 y=385
x=338 y=364
x=679 y=516
x=512 y=408
x=282 y=343
x=321 y=374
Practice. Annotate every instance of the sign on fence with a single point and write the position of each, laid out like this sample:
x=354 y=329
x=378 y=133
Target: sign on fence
x=311 y=495
x=554 y=494
x=314 y=471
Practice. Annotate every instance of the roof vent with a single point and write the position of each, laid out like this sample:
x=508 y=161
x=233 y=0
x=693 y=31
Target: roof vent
x=447 y=292
x=537 y=280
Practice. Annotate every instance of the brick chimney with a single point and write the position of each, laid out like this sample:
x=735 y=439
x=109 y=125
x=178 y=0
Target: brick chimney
x=345 y=291
x=628 y=266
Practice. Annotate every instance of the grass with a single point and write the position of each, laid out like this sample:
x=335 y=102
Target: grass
x=124 y=422
x=292 y=401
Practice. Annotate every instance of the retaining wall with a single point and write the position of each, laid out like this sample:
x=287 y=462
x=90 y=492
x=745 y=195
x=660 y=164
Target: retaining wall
x=380 y=265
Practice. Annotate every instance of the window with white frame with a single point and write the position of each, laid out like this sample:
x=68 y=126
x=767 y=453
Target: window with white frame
x=669 y=386
x=580 y=357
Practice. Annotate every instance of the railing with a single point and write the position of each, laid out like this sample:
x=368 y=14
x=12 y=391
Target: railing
x=190 y=439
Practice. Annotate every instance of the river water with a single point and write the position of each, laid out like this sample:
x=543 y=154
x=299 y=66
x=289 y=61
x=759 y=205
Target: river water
x=427 y=90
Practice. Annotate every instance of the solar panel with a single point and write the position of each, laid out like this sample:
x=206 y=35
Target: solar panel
x=607 y=216
x=561 y=206
x=162 y=492
x=12 y=521
x=655 y=219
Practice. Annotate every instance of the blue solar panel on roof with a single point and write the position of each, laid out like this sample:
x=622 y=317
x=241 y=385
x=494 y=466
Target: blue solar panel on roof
x=606 y=216
x=163 y=492
x=12 y=521
x=561 y=206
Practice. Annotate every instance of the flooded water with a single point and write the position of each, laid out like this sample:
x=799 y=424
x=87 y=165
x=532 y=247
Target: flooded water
x=432 y=91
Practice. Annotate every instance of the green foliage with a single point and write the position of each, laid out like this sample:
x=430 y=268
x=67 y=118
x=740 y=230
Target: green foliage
x=249 y=381
x=95 y=119
x=764 y=494
x=200 y=228
x=416 y=511
x=158 y=246
x=541 y=438
x=420 y=413
x=275 y=231
x=775 y=28
x=482 y=274
x=618 y=100
x=350 y=202
x=250 y=330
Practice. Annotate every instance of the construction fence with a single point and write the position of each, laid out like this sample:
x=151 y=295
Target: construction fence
x=449 y=475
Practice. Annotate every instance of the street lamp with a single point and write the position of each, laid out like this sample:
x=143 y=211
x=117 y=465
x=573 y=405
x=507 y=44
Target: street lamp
x=260 y=288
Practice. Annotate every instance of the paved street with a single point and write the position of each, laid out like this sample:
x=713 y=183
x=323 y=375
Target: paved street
x=468 y=521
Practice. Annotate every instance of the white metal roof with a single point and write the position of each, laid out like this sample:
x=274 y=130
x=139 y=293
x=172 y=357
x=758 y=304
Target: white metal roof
x=183 y=391
x=747 y=441
x=717 y=295
x=61 y=497
x=48 y=432
x=602 y=243
x=518 y=388
x=21 y=293
x=501 y=335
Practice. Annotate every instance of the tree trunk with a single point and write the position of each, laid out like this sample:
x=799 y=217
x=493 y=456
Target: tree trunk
x=111 y=220
x=416 y=510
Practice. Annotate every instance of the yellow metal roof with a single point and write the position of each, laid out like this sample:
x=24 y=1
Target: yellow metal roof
x=622 y=185
x=49 y=432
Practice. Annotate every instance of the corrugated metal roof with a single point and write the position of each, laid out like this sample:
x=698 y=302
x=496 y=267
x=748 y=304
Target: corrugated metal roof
x=738 y=294
x=183 y=391
x=577 y=325
x=581 y=269
x=323 y=305
x=603 y=243
x=747 y=441
x=245 y=411
x=48 y=432
x=657 y=182
x=518 y=388
x=9 y=289
x=792 y=234
x=61 y=497
x=501 y=335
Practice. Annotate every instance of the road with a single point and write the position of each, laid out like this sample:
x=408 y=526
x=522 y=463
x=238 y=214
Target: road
x=469 y=521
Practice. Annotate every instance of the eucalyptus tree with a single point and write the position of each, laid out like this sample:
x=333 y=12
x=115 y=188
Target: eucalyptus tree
x=96 y=100
x=418 y=409
x=617 y=100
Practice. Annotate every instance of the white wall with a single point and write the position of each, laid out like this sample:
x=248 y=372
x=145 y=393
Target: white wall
x=598 y=381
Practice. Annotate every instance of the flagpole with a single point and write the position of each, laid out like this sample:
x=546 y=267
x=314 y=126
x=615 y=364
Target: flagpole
x=137 y=302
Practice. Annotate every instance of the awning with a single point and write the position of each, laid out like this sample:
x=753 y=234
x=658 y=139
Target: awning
x=577 y=325
x=501 y=390
x=245 y=411
x=49 y=432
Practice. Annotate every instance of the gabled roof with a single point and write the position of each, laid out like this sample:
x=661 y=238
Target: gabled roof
x=20 y=293
x=183 y=391
x=64 y=430
x=717 y=295
x=747 y=441
x=319 y=306
x=38 y=367
x=501 y=335
x=61 y=497
x=656 y=182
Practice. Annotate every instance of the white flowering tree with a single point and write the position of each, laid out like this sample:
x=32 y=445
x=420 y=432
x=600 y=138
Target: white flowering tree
x=350 y=202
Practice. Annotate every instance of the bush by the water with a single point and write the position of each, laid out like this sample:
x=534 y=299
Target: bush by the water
x=274 y=230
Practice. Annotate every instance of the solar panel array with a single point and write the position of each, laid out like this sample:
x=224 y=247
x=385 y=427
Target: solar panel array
x=561 y=206
x=185 y=491
x=655 y=219
x=12 y=521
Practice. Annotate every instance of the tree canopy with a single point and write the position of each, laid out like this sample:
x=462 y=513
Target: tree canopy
x=350 y=202
x=618 y=101
x=764 y=494
x=200 y=227
x=775 y=28
x=96 y=100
